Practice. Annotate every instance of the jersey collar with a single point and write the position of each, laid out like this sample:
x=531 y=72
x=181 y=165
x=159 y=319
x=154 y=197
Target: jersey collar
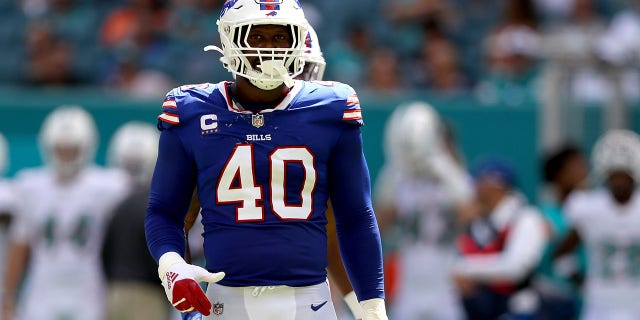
x=284 y=104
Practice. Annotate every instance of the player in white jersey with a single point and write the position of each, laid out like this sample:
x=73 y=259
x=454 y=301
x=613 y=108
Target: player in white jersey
x=59 y=224
x=416 y=193
x=607 y=221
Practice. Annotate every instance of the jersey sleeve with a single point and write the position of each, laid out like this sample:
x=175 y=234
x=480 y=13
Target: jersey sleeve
x=338 y=100
x=171 y=191
x=356 y=225
x=169 y=116
x=349 y=104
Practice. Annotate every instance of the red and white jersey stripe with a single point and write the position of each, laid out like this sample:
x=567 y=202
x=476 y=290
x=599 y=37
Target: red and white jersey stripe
x=352 y=114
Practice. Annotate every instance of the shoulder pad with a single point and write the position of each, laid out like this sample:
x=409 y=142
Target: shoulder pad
x=345 y=100
x=179 y=97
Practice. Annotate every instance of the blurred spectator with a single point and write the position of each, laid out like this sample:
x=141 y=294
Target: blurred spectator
x=619 y=47
x=191 y=27
x=471 y=29
x=409 y=18
x=74 y=19
x=138 y=18
x=439 y=61
x=133 y=81
x=139 y=27
x=574 y=43
x=383 y=71
x=558 y=280
x=607 y=220
x=346 y=58
x=415 y=196
x=60 y=219
x=511 y=51
x=48 y=58
x=620 y=44
x=501 y=247
x=130 y=270
x=191 y=22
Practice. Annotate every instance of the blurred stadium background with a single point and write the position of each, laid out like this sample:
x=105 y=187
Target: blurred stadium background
x=511 y=77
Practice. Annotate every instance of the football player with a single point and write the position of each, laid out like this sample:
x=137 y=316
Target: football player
x=266 y=152
x=313 y=71
x=607 y=221
x=59 y=224
x=417 y=191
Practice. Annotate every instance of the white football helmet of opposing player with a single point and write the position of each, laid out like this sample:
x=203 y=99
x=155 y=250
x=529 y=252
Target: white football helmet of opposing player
x=134 y=148
x=68 y=140
x=4 y=154
x=314 y=63
x=412 y=135
x=617 y=150
x=277 y=65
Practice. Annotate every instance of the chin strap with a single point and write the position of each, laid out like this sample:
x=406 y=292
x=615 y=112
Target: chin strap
x=275 y=67
x=223 y=59
x=213 y=48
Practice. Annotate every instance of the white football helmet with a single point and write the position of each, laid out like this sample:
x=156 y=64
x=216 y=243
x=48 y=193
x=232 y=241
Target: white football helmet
x=617 y=150
x=134 y=148
x=413 y=134
x=314 y=63
x=68 y=127
x=4 y=155
x=277 y=65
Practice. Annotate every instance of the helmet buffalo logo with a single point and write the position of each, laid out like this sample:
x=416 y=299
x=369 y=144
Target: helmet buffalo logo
x=272 y=14
x=307 y=41
x=227 y=5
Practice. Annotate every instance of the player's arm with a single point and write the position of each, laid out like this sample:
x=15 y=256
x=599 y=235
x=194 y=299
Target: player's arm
x=16 y=264
x=337 y=273
x=356 y=225
x=18 y=249
x=523 y=250
x=568 y=244
x=169 y=198
x=575 y=211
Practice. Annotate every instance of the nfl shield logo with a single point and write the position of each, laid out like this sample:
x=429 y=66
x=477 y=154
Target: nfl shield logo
x=257 y=120
x=218 y=308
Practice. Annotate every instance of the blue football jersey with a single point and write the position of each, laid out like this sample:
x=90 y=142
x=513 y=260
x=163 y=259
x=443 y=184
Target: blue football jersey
x=263 y=181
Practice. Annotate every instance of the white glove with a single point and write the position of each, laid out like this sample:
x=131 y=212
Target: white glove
x=180 y=282
x=352 y=302
x=374 y=309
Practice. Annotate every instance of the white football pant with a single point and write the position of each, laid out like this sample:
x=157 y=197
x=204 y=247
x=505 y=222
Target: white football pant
x=271 y=303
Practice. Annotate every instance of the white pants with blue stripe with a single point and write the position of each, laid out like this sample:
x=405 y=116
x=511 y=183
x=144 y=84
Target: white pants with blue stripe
x=271 y=303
